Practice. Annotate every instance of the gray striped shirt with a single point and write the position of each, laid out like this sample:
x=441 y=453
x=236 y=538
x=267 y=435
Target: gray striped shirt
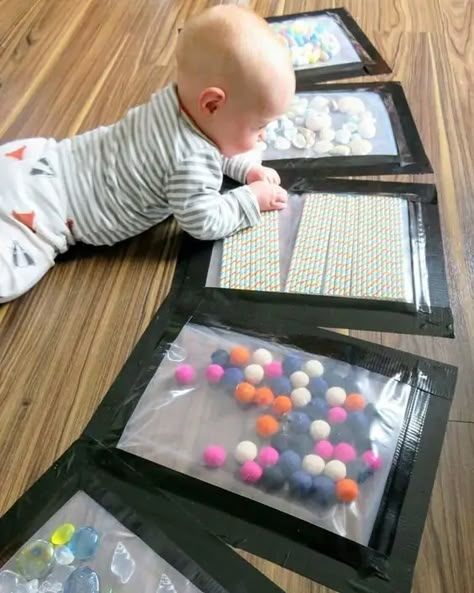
x=122 y=179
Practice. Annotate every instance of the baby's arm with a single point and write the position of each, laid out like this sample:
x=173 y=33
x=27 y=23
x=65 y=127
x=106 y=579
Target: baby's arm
x=194 y=198
x=247 y=168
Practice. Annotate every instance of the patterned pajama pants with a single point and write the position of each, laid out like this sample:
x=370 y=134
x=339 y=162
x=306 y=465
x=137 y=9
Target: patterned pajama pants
x=34 y=224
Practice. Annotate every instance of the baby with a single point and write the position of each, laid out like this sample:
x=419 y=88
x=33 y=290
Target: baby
x=164 y=158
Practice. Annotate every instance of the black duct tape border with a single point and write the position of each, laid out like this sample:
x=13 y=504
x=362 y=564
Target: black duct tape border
x=150 y=514
x=387 y=565
x=304 y=312
x=411 y=157
x=371 y=61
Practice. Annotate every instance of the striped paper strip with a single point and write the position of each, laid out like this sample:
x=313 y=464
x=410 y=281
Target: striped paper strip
x=251 y=258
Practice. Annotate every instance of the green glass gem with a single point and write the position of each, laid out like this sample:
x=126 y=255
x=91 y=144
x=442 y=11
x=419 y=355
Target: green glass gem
x=35 y=559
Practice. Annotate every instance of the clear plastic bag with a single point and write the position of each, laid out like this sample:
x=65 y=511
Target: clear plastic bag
x=349 y=245
x=320 y=451
x=316 y=41
x=119 y=560
x=331 y=124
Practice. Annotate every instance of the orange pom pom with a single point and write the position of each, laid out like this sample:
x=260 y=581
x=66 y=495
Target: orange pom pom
x=354 y=402
x=264 y=396
x=267 y=426
x=282 y=405
x=347 y=490
x=239 y=356
x=244 y=393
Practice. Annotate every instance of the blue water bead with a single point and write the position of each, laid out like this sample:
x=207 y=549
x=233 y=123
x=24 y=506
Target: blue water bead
x=324 y=490
x=232 y=377
x=300 y=483
x=317 y=409
x=359 y=471
x=280 y=385
x=289 y=462
x=220 y=357
x=318 y=386
x=358 y=422
x=291 y=364
x=273 y=478
x=84 y=543
x=303 y=444
x=82 y=580
x=281 y=441
x=298 y=422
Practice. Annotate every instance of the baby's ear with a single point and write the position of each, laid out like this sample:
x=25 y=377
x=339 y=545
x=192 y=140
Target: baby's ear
x=211 y=99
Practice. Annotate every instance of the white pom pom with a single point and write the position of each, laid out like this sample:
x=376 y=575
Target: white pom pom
x=300 y=397
x=299 y=379
x=320 y=430
x=313 y=464
x=335 y=470
x=335 y=396
x=245 y=451
x=313 y=368
x=262 y=356
x=254 y=373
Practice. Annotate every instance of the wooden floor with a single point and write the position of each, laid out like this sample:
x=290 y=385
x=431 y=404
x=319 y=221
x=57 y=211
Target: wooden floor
x=67 y=66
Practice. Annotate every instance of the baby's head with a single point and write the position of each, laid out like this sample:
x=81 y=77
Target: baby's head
x=234 y=76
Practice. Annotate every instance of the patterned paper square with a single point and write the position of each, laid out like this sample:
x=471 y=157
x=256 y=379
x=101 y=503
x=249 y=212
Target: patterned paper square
x=251 y=258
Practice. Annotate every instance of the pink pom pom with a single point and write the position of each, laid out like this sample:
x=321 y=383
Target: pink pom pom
x=337 y=415
x=273 y=369
x=185 y=374
x=372 y=460
x=324 y=449
x=214 y=456
x=251 y=472
x=344 y=452
x=214 y=373
x=268 y=456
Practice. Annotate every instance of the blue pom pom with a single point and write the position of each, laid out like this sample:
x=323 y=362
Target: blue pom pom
x=220 y=357
x=318 y=386
x=273 y=478
x=291 y=364
x=358 y=471
x=359 y=422
x=281 y=442
x=280 y=386
x=303 y=444
x=317 y=409
x=300 y=483
x=298 y=422
x=289 y=462
x=324 y=490
x=232 y=377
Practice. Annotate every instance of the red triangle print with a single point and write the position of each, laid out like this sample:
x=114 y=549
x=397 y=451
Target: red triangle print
x=26 y=218
x=17 y=154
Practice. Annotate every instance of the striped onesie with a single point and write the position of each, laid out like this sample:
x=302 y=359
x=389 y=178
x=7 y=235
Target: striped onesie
x=112 y=183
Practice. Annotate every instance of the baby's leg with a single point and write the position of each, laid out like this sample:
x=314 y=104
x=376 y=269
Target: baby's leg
x=33 y=224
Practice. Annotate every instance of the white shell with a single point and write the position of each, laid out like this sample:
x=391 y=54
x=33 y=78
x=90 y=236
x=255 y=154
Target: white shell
x=350 y=126
x=360 y=146
x=320 y=430
x=319 y=104
x=299 y=379
x=301 y=109
x=322 y=147
x=300 y=397
x=318 y=121
x=254 y=373
x=340 y=150
x=273 y=125
x=335 y=396
x=335 y=470
x=367 y=129
x=290 y=133
x=367 y=116
x=282 y=143
x=299 y=141
x=286 y=124
x=343 y=136
x=313 y=464
x=351 y=105
x=313 y=368
x=270 y=136
x=328 y=134
x=299 y=121
x=245 y=451
x=333 y=105
x=262 y=356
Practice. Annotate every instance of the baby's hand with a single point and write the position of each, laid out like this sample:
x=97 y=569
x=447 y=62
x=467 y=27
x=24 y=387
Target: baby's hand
x=269 y=195
x=259 y=173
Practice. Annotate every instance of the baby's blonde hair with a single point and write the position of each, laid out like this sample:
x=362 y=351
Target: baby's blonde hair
x=233 y=48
